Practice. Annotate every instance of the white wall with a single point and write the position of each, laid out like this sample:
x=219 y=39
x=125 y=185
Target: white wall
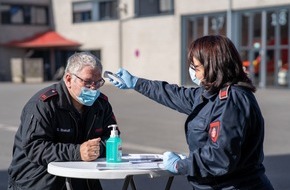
x=101 y=35
x=156 y=38
x=198 y=6
x=158 y=41
x=16 y=32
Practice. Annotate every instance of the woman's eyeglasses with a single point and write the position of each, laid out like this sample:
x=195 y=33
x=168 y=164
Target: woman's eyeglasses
x=194 y=67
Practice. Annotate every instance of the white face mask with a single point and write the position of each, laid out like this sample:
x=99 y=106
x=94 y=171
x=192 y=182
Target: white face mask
x=193 y=77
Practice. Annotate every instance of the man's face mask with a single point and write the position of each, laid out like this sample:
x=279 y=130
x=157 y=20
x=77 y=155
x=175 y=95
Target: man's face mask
x=88 y=96
x=193 y=77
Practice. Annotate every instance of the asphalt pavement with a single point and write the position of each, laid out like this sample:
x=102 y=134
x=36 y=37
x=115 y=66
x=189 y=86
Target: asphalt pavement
x=148 y=127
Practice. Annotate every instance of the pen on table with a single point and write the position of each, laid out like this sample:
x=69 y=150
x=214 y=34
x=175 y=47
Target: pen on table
x=146 y=161
x=103 y=143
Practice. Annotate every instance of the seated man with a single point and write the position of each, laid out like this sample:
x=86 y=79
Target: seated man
x=67 y=121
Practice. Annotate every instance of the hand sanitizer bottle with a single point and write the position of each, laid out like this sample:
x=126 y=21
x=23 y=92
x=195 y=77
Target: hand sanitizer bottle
x=114 y=146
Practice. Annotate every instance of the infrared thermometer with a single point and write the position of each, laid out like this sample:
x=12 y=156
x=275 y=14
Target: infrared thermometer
x=114 y=77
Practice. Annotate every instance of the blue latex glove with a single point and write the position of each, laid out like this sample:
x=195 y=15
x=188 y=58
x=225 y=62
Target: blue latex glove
x=130 y=80
x=170 y=160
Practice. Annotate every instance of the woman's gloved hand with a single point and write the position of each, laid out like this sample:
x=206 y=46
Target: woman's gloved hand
x=170 y=160
x=129 y=80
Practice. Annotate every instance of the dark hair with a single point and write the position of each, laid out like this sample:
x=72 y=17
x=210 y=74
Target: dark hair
x=221 y=61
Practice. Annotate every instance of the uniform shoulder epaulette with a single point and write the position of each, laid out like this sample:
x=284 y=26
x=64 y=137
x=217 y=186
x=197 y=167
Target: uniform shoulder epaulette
x=48 y=94
x=224 y=93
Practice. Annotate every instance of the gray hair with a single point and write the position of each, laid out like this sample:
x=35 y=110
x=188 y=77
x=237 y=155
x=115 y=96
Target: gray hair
x=78 y=61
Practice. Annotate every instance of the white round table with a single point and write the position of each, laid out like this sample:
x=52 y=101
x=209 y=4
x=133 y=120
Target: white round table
x=133 y=164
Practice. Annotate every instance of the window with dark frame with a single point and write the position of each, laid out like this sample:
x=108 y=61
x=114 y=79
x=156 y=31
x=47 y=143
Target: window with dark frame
x=108 y=10
x=153 y=7
x=24 y=14
x=82 y=12
x=89 y=11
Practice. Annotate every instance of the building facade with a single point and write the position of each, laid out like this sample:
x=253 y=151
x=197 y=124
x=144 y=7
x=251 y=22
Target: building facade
x=150 y=37
x=18 y=20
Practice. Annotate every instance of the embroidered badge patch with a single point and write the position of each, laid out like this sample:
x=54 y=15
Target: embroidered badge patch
x=223 y=94
x=48 y=94
x=214 y=130
x=99 y=130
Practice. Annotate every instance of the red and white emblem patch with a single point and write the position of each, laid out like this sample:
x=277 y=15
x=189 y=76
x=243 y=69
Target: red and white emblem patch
x=214 y=130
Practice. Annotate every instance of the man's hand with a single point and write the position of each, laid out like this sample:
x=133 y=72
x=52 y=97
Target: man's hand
x=90 y=150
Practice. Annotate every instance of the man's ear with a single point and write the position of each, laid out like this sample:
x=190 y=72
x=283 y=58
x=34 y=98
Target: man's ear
x=67 y=80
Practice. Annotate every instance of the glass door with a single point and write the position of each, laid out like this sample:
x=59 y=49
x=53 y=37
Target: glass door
x=195 y=27
x=264 y=48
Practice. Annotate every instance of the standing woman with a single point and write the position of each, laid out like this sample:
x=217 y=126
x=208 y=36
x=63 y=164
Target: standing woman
x=225 y=127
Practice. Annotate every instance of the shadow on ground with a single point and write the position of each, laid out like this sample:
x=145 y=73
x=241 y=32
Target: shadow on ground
x=3 y=179
x=277 y=169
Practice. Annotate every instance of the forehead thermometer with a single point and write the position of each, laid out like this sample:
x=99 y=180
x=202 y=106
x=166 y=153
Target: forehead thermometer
x=114 y=77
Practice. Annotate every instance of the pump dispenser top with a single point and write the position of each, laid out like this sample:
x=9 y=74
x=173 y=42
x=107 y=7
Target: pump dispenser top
x=114 y=132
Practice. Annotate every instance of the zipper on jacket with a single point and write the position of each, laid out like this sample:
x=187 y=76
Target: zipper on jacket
x=91 y=126
x=76 y=128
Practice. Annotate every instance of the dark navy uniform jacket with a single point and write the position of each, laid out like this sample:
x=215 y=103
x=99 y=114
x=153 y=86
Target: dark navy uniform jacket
x=52 y=130
x=224 y=132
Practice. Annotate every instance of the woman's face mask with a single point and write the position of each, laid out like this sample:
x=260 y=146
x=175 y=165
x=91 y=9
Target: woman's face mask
x=193 y=76
x=88 y=96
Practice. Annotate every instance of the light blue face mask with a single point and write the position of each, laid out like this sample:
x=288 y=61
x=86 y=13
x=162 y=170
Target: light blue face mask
x=193 y=77
x=88 y=96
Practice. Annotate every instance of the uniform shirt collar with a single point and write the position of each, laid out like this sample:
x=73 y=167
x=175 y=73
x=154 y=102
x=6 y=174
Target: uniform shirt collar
x=208 y=95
